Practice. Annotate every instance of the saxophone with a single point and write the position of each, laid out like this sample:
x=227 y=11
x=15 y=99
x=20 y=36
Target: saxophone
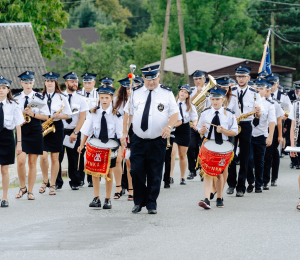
x=46 y=125
x=27 y=118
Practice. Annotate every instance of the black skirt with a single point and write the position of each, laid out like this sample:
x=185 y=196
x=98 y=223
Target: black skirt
x=183 y=135
x=7 y=147
x=33 y=141
x=53 y=142
x=130 y=134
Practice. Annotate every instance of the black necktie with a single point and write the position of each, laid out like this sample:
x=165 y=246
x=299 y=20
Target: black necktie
x=49 y=102
x=26 y=102
x=69 y=121
x=103 y=131
x=87 y=94
x=218 y=136
x=272 y=95
x=1 y=117
x=180 y=109
x=144 y=124
x=256 y=122
x=241 y=100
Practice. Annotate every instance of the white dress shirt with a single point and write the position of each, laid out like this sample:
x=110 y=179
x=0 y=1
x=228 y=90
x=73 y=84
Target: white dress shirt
x=227 y=121
x=233 y=105
x=92 y=99
x=292 y=114
x=21 y=100
x=92 y=123
x=267 y=116
x=284 y=98
x=13 y=115
x=190 y=115
x=248 y=100
x=194 y=91
x=121 y=108
x=158 y=119
x=56 y=104
x=278 y=110
x=77 y=104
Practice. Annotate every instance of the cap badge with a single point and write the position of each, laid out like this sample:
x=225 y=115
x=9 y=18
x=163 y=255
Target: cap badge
x=27 y=73
x=215 y=87
x=149 y=69
x=72 y=72
x=50 y=73
x=1 y=77
x=240 y=67
x=225 y=78
x=86 y=74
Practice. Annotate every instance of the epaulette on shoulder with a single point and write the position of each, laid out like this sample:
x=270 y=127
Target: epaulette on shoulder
x=284 y=93
x=229 y=110
x=79 y=93
x=137 y=87
x=166 y=87
x=254 y=90
x=39 y=96
x=270 y=101
x=205 y=109
x=17 y=94
x=63 y=94
x=234 y=88
x=276 y=100
x=116 y=112
x=15 y=101
x=296 y=100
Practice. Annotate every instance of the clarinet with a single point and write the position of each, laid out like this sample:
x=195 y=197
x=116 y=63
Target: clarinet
x=297 y=123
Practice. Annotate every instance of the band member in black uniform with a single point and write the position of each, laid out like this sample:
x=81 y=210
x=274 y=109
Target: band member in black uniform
x=91 y=97
x=183 y=133
x=59 y=109
x=72 y=127
x=105 y=123
x=246 y=96
x=153 y=113
x=10 y=117
x=119 y=102
x=293 y=94
x=193 y=151
x=32 y=133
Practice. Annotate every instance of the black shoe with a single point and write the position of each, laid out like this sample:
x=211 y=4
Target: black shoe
x=152 y=211
x=74 y=188
x=191 y=176
x=258 y=190
x=250 y=188
x=292 y=165
x=90 y=185
x=182 y=181
x=240 y=194
x=123 y=191
x=212 y=195
x=297 y=167
x=4 y=204
x=136 y=209
x=204 y=204
x=230 y=190
x=96 y=203
x=201 y=178
x=167 y=186
x=273 y=183
x=171 y=180
x=81 y=184
x=58 y=187
x=265 y=187
x=107 y=204
x=219 y=203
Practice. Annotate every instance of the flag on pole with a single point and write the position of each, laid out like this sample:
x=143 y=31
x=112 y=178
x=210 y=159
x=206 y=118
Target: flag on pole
x=267 y=62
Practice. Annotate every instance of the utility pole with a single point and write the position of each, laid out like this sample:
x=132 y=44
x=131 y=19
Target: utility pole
x=165 y=41
x=272 y=39
x=182 y=40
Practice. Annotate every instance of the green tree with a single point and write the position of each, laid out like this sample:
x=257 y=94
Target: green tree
x=46 y=16
x=86 y=15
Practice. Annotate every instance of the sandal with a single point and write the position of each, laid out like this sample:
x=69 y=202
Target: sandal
x=298 y=206
x=118 y=194
x=20 y=195
x=130 y=197
x=42 y=188
x=52 y=190
x=30 y=196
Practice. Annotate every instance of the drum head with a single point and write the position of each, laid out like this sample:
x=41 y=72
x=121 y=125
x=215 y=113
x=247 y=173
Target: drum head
x=111 y=144
x=226 y=147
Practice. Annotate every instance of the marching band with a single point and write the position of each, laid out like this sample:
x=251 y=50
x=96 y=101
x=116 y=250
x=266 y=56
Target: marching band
x=138 y=130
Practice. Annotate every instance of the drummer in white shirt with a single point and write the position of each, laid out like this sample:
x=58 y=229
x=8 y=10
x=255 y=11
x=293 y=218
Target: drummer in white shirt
x=226 y=126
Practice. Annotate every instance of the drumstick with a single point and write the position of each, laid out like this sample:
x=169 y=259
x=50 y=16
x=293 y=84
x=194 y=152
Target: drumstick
x=78 y=162
x=211 y=124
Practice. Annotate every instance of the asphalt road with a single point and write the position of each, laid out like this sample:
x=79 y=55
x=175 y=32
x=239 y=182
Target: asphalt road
x=257 y=226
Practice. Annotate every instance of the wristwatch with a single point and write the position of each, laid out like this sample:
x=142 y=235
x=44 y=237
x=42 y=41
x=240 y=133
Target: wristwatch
x=76 y=133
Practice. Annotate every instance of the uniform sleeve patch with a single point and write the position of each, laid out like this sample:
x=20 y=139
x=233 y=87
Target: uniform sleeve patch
x=39 y=96
x=254 y=90
x=231 y=111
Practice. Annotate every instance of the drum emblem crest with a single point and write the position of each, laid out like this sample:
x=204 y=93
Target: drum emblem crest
x=222 y=162
x=160 y=107
x=97 y=157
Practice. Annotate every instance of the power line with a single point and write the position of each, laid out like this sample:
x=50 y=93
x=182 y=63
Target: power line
x=277 y=3
x=284 y=39
x=79 y=1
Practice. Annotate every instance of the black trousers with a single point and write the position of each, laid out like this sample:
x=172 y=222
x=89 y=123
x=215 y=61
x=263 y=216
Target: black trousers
x=256 y=160
x=147 y=159
x=124 y=181
x=244 y=139
x=72 y=154
x=272 y=160
x=193 y=151
x=81 y=172
x=168 y=162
